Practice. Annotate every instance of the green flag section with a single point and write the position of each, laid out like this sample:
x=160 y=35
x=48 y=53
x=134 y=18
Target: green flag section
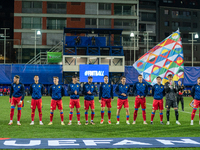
x=163 y=59
x=54 y=57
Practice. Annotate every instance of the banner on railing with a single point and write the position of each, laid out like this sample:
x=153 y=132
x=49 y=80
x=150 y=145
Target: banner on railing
x=54 y=57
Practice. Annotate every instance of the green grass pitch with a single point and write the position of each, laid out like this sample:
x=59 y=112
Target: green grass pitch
x=96 y=131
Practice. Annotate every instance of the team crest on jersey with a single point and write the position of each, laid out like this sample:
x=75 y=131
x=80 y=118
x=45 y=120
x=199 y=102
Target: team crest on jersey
x=109 y=85
x=161 y=87
x=18 y=86
x=126 y=86
x=77 y=85
x=92 y=86
x=58 y=86
x=143 y=84
x=39 y=85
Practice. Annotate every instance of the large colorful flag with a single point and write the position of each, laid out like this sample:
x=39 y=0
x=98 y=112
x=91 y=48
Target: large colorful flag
x=163 y=59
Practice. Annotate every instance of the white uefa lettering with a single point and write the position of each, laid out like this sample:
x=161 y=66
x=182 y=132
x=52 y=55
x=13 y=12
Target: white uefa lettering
x=95 y=142
x=13 y=143
x=129 y=142
x=171 y=142
x=62 y=142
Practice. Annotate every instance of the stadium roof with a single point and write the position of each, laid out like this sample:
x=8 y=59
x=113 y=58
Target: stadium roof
x=93 y=30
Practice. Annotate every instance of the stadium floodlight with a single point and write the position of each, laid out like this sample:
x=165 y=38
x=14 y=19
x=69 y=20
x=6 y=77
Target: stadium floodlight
x=5 y=36
x=132 y=34
x=196 y=36
x=38 y=32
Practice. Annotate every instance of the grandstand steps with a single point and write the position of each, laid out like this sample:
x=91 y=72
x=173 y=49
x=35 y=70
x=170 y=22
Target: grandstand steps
x=41 y=58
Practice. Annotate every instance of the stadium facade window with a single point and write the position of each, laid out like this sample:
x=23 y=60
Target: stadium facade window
x=57 y=8
x=167 y=1
x=91 y=8
x=31 y=23
x=104 y=6
x=125 y=24
x=166 y=23
x=194 y=13
x=186 y=13
x=31 y=7
x=89 y=21
x=142 y=27
x=123 y=9
x=56 y=23
x=194 y=25
x=186 y=24
x=166 y=11
x=175 y=24
x=105 y=22
x=148 y=16
x=175 y=13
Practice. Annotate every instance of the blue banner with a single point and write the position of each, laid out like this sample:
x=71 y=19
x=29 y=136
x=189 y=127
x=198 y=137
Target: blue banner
x=96 y=71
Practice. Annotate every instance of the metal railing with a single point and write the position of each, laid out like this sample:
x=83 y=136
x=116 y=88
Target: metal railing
x=41 y=58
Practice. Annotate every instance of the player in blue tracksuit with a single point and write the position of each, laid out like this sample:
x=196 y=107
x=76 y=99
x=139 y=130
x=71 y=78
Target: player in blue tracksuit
x=36 y=91
x=17 y=94
x=105 y=98
x=89 y=91
x=195 y=92
x=74 y=90
x=56 y=92
x=122 y=90
x=158 y=92
x=141 y=90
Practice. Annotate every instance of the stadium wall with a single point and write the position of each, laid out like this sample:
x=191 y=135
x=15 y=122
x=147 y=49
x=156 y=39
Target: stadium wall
x=46 y=73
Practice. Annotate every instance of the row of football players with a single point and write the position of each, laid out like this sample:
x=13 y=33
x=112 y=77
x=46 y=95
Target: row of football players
x=105 y=98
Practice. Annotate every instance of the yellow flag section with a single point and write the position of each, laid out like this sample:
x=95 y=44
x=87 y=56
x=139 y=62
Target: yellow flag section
x=163 y=59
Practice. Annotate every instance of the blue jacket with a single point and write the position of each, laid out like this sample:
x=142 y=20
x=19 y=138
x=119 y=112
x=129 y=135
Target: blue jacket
x=56 y=92
x=36 y=90
x=89 y=87
x=17 y=90
x=106 y=91
x=140 y=89
x=72 y=88
x=120 y=88
x=195 y=92
x=158 y=91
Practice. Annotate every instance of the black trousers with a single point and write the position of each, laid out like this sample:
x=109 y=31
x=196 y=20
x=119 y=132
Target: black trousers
x=180 y=98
